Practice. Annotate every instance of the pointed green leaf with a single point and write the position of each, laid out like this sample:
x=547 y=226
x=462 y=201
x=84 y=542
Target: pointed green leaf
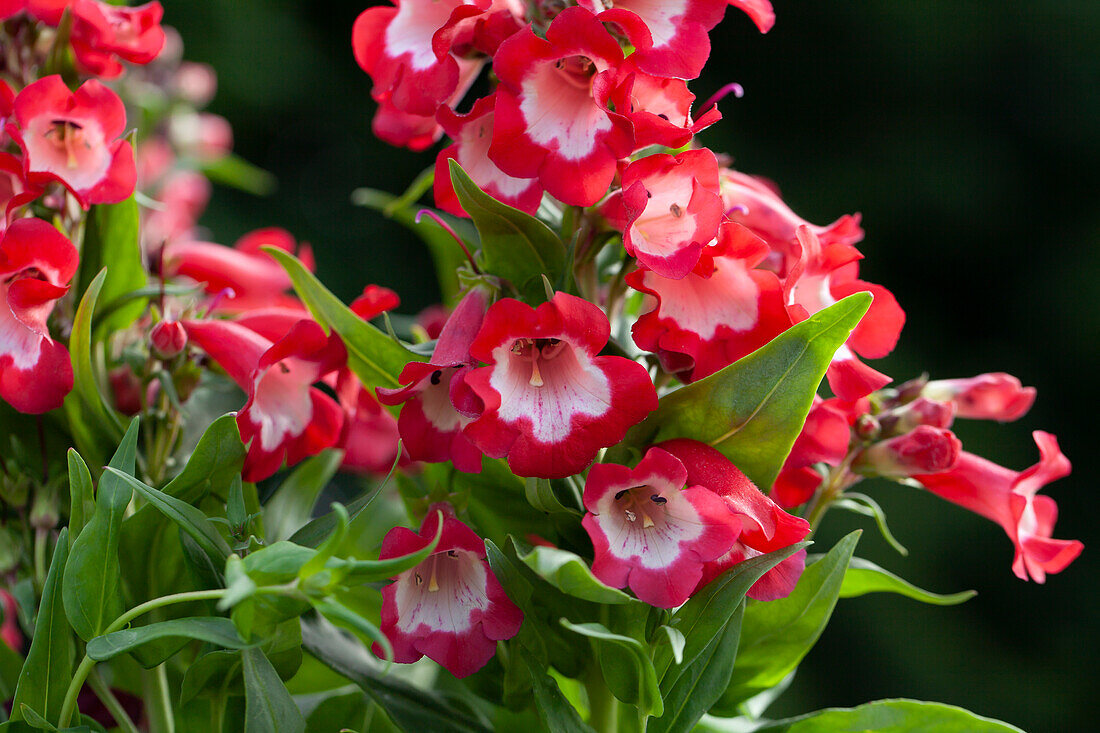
x=570 y=574
x=629 y=676
x=269 y=708
x=374 y=357
x=863 y=577
x=236 y=172
x=48 y=669
x=342 y=616
x=91 y=587
x=291 y=506
x=81 y=494
x=369 y=571
x=555 y=711
x=868 y=507
x=211 y=629
x=891 y=715
x=111 y=240
x=753 y=410
x=215 y=462
x=514 y=245
x=85 y=385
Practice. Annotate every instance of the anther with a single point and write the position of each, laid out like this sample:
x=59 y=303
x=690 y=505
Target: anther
x=676 y=210
x=436 y=376
x=658 y=499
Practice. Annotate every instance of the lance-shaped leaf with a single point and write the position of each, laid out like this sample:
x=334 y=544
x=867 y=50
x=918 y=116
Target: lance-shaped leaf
x=48 y=669
x=375 y=358
x=753 y=410
x=370 y=571
x=269 y=708
x=91 y=585
x=776 y=635
x=863 y=577
x=629 y=676
x=86 y=387
x=570 y=574
x=167 y=637
x=215 y=462
x=891 y=715
x=111 y=240
x=291 y=506
x=81 y=494
x=514 y=245
x=345 y=617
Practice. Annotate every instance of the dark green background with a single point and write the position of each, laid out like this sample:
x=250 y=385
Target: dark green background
x=968 y=135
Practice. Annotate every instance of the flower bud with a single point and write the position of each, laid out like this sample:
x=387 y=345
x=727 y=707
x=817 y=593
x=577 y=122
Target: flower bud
x=921 y=411
x=44 y=508
x=196 y=83
x=923 y=450
x=997 y=396
x=867 y=427
x=127 y=390
x=168 y=339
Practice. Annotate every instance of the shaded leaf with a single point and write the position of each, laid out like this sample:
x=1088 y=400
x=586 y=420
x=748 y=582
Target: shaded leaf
x=291 y=506
x=81 y=494
x=555 y=711
x=269 y=707
x=570 y=574
x=863 y=577
x=112 y=240
x=634 y=682
x=892 y=715
x=236 y=172
x=85 y=386
x=211 y=629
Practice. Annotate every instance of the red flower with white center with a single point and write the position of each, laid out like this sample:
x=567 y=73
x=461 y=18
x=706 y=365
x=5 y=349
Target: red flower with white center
x=253 y=279
x=449 y=608
x=824 y=438
x=69 y=137
x=670 y=36
x=822 y=275
x=659 y=108
x=472 y=134
x=764 y=526
x=396 y=47
x=669 y=209
x=653 y=530
x=438 y=403
x=36 y=264
x=103 y=33
x=997 y=396
x=14 y=189
x=550 y=402
x=1009 y=498
x=552 y=119
x=721 y=311
x=285 y=418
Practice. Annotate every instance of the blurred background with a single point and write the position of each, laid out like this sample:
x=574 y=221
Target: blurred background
x=968 y=135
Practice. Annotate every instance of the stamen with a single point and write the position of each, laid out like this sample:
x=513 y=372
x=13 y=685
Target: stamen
x=419 y=580
x=658 y=499
x=646 y=521
x=631 y=516
x=676 y=210
x=433 y=586
x=436 y=376
x=620 y=494
x=536 y=377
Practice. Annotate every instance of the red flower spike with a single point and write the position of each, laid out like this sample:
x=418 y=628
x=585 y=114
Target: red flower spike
x=449 y=608
x=36 y=264
x=652 y=533
x=103 y=33
x=7 y=102
x=285 y=418
x=671 y=209
x=437 y=401
x=69 y=137
x=550 y=402
x=551 y=119
x=473 y=133
x=997 y=396
x=1009 y=498
x=924 y=449
x=764 y=526
x=721 y=311
x=48 y=11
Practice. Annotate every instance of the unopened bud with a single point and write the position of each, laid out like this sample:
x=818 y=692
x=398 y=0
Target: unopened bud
x=127 y=390
x=44 y=508
x=921 y=411
x=997 y=396
x=923 y=450
x=867 y=427
x=168 y=339
x=196 y=83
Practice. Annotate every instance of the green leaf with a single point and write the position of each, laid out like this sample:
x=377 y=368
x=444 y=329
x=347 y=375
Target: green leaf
x=374 y=357
x=514 y=245
x=215 y=462
x=342 y=616
x=85 y=386
x=540 y=494
x=892 y=715
x=556 y=712
x=368 y=571
x=776 y=635
x=269 y=707
x=236 y=172
x=91 y=587
x=570 y=574
x=81 y=494
x=211 y=629
x=634 y=682
x=48 y=669
x=112 y=240
x=314 y=533
x=868 y=507
x=676 y=642
x=863 y=577
x=753 y=410
x=410 y=708
x=291 y=506
x=277 y=564
x=192 y=521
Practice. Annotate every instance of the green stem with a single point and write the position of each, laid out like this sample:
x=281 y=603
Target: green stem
x=839 y=479
x=603 y=708
x=40 y=536
x=125 y=723
x=166 y=723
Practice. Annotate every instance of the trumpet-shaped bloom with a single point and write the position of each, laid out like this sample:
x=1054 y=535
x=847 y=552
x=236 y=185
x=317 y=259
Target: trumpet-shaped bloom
x=285 y=418
x=653 y=530
x=997 y=396
x=70 y=137
x=1009 y=498
x=449 y=608
x=658 y=107
x=36 y=264
x=103 y=33
x=550 y=403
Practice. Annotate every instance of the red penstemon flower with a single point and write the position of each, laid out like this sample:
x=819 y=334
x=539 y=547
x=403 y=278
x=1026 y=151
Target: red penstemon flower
x=658 y=107
x=652 y=529
x=70 y=137
x=103 y=33
x=15 y=191
x=824 y=438
x=550 y=402
x=36 y=264
x=996 y=396
x=449 y=608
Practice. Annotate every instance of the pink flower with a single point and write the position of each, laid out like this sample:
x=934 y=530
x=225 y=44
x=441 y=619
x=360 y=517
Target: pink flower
x=997 y=396
x=924 y=449
x=450 y=608
x=721 y=311
x=670 y=209
x=438 y=403
x=764 y=526
x=36 y=265
x=182 y=197
x=103 y=33
x=550 y=402
x=69 y=137
x=824 y=439
x=285 y=418
x=370 y=435
x=552 y=119
x=1009 y=498
x=652 y=533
